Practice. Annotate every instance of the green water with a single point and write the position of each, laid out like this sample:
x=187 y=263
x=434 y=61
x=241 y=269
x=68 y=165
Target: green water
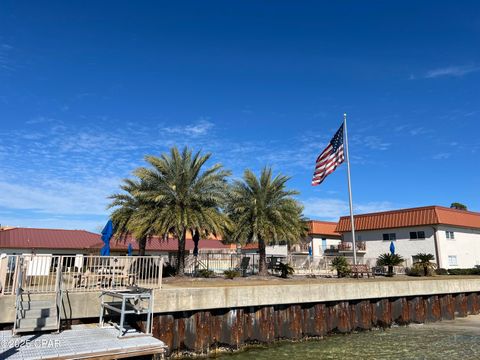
x=446 y=340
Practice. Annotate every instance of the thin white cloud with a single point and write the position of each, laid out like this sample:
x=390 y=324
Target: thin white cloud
x=59 y=197
x=199 y=128
x=51 y=222
x=441 y=156
x=332 y=209
x=40 y=120
x=55 y=170
x=5 y=62
x=412 y=130
x=375 y=143
x=455 y=71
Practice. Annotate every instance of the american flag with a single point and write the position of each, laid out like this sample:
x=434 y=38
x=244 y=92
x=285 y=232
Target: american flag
x=329 y=159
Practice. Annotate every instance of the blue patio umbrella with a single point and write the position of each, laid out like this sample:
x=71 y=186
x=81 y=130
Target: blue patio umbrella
x=309 y=250
x=392 y=247
x=107 y=234
x=130 y=249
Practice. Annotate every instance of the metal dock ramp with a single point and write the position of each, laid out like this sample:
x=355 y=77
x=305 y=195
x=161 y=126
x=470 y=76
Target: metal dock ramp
x=80 y=343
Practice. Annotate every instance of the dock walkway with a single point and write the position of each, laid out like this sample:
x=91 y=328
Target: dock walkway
x=79 y=343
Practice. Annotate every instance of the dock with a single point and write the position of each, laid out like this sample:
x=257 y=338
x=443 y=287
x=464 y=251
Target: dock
x=80 y=343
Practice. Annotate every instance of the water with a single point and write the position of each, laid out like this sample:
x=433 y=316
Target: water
x=459 y=339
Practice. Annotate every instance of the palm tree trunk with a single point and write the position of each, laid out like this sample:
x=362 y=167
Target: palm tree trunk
x=196 y=240
x=262 y=264
x=390 y=270
x=142 y=245
x=181 y=254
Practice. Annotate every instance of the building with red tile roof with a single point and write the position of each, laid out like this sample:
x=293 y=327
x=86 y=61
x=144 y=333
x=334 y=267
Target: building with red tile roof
x=326 y=228
x=321 y=238
x=428 y=215
x=451 y=235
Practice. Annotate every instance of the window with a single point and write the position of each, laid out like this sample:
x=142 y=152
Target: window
x=417 y=235
x=450 y=235
x=452 y=260
x=324 y=244
x=389 y=237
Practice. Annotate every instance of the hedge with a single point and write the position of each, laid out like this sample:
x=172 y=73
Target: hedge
x=472 y=271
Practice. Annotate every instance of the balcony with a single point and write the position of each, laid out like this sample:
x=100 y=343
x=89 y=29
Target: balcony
x=346 y=247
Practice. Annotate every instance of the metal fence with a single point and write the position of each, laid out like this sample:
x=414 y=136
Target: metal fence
x=78 y=273
x=218 y=263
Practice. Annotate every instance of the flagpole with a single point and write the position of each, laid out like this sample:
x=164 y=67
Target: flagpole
x=350 y=190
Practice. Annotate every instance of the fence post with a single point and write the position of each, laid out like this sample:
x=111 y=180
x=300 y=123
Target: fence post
x=208 y=261
x=160 y=273
x=18 y=275
x=58 y=275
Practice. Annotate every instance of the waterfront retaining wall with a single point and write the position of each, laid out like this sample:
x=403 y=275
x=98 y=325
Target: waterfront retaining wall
x=202 y=331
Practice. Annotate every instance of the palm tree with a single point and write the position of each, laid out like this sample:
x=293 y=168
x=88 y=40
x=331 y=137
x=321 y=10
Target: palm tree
x=262 y=210
x=340 y=264
x=182 y=197
x=130 y=209
x=390 y=260
x=424 y=261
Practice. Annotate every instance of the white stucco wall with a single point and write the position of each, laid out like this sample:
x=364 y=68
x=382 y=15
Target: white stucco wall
x=276 y=250
x=270 y=250
x=375 y=245
x=316 y=243
x=465 y=246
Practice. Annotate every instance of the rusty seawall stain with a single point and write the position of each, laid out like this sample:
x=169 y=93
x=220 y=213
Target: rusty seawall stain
x=202 y=331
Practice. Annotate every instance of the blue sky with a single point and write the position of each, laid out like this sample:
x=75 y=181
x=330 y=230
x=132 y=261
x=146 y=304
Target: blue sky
x=88 y=88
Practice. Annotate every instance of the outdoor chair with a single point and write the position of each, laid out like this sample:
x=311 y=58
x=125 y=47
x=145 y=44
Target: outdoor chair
x=126 y=277
x=379 y=270
x=274 y=264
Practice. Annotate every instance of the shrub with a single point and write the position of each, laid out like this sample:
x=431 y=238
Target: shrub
x=390 y=260
x=285 y=270
x=414 y=271
x=231 y=274
x=205 y=273
x=473 y=271
x=424 y=261
x=340 y=264
x=441 y=271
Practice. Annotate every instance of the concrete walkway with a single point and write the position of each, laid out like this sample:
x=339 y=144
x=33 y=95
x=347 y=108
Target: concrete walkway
x=188 y=282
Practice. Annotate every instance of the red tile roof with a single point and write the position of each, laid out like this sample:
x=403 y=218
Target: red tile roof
x=30 y=238
x=316 y=227
x=428 y=215
x=251 y=246
x=157 y=244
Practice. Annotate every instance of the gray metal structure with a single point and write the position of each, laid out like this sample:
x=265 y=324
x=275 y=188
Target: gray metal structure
x=137 y=301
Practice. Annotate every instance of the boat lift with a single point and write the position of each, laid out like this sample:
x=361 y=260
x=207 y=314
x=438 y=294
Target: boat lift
x=135 y=300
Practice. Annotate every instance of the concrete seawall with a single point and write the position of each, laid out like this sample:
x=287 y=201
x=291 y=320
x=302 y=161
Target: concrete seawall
x=202 y=331
x=201 y=319
x=229 y=295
